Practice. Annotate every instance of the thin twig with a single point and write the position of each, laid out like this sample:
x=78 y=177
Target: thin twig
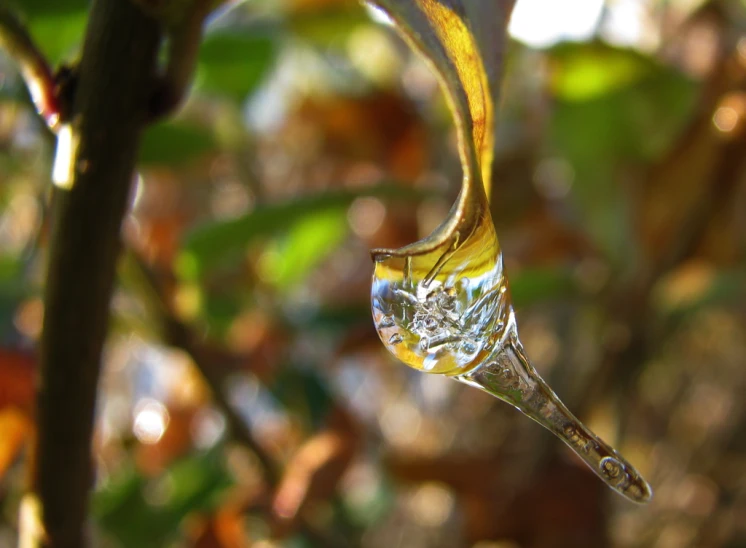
x=179 y=335
x=17 y=42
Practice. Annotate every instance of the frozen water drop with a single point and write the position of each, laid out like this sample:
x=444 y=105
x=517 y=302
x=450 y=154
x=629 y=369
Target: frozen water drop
x=442 y=321
x=446 y=309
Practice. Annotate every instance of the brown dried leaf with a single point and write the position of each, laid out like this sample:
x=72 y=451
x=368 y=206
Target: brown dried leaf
x=314 y=471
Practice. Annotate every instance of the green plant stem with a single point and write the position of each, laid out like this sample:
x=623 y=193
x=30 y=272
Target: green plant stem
x=110 y=109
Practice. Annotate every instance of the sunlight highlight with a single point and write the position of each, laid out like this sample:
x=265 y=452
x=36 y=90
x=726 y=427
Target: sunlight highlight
x=541 y=23
x=62 y=170
x=151 y=421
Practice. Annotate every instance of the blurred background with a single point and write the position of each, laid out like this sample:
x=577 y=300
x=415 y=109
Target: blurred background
x=246 y=399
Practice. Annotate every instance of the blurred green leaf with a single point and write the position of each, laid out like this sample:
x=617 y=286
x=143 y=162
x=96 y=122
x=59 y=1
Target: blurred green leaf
x=337 y=318
x=213 y=243
x=583 y=71
x=59 y=36
x=14 y=287
x=174 y=143
x=615 y=123
x=306 y=244
x=144 y=512
x=221 y=308
x=233 y=63
x=727 y=287
x=328 y=28
x=541 y=284
x=36 y=8
x=57 y=27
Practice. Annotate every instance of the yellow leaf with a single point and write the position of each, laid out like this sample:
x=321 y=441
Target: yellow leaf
x=456 y=37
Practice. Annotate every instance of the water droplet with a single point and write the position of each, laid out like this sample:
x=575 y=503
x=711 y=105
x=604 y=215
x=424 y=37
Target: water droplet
x=447 y=321
x=442 y=306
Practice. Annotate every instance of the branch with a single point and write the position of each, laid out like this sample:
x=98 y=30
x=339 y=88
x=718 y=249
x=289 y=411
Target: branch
x=630 y=305
x=179 y=335
x=110 y=109
x=36 y=72
x=184 y=37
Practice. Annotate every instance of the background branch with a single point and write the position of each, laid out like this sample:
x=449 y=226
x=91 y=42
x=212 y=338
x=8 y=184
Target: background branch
x=40 y=81
x=179 y=335
x=183 y=47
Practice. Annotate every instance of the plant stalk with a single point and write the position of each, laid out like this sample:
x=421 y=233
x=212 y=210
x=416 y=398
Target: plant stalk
x=116 y=77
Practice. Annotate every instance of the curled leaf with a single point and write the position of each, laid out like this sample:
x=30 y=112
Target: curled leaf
x=442 y=304
x=464 y=43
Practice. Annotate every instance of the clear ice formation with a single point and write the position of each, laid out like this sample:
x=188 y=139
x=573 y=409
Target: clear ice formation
x=447 y=310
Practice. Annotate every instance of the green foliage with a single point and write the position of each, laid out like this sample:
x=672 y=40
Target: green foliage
x=174 y=144
x=276 y=288
x=329 y=28
x=541 y=284
x=149 y=512
x=232 y=63
x=305 y=244
x=614 y=109
x=582 y=71
x=214 y=243
x=57 y=27
x=13 y=289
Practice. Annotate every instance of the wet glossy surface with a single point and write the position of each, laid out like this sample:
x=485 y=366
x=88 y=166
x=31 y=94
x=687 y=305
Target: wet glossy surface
x=448 y=311
x=442 y=311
